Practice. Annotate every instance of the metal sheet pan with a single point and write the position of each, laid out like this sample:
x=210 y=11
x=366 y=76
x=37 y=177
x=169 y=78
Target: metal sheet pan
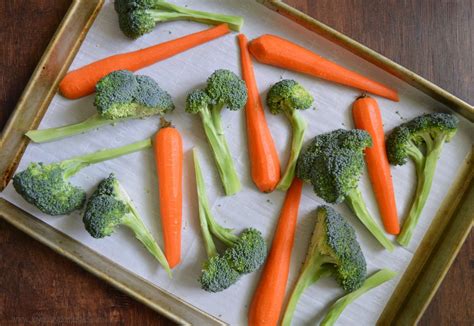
x=445 y=236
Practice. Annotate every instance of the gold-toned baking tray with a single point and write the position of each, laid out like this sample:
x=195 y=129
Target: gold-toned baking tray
x=431 y=261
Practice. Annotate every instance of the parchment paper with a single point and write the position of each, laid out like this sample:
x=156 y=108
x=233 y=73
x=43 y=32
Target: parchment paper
x=188 y=70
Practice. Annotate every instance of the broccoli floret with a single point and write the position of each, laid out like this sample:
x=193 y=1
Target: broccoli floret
x=333 y=251
x=332 y=164
x=371 y=282
x=138 y=17
x=421 y=140
x=244 y=254
x=288 y=97
x=47 y=186
x=224 y=89
x=109 y=207
x=119 y=96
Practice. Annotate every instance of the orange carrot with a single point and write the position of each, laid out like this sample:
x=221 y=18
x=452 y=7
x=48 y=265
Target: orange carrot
x=366 y=115
x=268 y=298
x=168 y=149
x=276 y=51
x=264 y=162
x=81 y=82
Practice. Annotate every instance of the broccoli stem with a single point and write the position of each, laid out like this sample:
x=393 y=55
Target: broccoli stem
x=222 y=155
x=338 y=307
x=203 y=208
x=135 y=223
x=75 y=164
x=425 y=172
x=234 y=22
x=50 y=134
x=355 y=201
x=311 y=272
x=298 y=125
x=216 y=118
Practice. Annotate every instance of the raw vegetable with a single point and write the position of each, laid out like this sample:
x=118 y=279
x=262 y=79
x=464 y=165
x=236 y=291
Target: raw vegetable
x=244 y=253
x=367 y=116
x=47 y=186
x=224 y=89
x=276 y=51
x=109 y=207
x=380 y=277
x=288 y=97
x=421 y=140
x=268 y=298
x=168 y=149
x=333 y=251
x=333 y=163
x=264 y=162
x=82 y=81
x=120 y=96
x=138 y=17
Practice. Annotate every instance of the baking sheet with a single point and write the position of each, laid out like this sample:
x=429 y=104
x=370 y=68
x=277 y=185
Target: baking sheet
x=189 y=70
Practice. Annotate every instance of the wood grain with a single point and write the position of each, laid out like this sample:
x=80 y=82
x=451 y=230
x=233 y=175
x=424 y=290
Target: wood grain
x=37 y=286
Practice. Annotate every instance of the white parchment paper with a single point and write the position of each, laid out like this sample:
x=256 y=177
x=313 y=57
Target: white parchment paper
x=188 y=70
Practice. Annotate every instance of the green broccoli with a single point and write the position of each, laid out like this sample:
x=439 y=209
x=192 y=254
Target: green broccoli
x=333 y=251
x=110 y=206
x=138 y=17
x=120 y=96
x=47 y=187
x=244 y=253
x=380 y=277
x=287 y=96
x=333 y=163
x=421 y=140
x=224 y=89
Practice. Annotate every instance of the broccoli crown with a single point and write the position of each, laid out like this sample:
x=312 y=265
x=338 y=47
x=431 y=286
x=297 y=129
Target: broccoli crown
x=121 y=94
x=227 y=89
x=333 y=163
x=105 y=209
x=248 y=253
x=335 y=239
x=136 y=23
x=196 y=101
x=415 y=133
x=287 y=95
x=217 y=275
x=46 y=187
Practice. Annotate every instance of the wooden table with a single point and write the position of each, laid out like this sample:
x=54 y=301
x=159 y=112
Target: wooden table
x=37 y=286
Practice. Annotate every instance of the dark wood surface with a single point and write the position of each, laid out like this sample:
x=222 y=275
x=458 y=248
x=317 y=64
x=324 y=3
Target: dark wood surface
x=37 y=286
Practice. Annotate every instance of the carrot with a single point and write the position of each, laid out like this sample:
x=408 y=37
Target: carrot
x=168 y=149
x=81 y=82
x=276 y=51
x=268 y=298
x=366 y=115
x=264 y=162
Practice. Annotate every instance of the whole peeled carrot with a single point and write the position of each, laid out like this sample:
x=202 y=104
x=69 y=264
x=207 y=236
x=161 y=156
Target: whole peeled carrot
x=264 y=162
x=81 y=82
x=268 y=298
x=367 y=116
x=276 y=51
x=168 y=149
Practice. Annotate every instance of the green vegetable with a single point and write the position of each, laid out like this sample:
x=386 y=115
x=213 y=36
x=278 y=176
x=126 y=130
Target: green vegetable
x=371 y=282
x=47 y=187
x=224 y=89
x=421 y=140
x=138 y=17
x=109 y=207
x=120 y=96
x=244 y=253
x=333 y=163
x=333 y=251
x=287 y=96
